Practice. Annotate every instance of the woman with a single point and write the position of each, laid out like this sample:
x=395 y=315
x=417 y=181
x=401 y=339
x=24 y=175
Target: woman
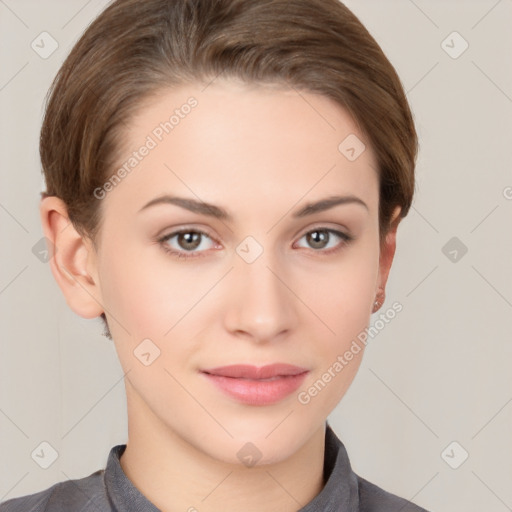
x=225 y=180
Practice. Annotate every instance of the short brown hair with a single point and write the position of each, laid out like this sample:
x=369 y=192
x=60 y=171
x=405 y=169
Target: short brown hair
x=135 y=48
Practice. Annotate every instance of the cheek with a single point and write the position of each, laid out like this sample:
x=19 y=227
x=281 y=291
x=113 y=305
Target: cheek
x=131 y=289
x=148 y=291
x=341 y=298
x=341 y=293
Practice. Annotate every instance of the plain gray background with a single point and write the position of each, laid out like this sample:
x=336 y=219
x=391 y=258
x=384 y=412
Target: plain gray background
x=439 y=373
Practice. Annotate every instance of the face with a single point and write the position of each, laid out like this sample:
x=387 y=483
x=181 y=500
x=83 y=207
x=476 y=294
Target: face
x=255 y=279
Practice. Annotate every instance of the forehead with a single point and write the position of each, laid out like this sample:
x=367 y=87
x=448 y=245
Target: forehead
x=242 y=141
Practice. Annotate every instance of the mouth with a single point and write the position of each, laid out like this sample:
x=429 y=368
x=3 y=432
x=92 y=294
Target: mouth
x=267 y=372
x=253 y=385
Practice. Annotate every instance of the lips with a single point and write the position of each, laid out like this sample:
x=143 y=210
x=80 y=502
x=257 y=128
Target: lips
x=244 y=371
x=257 y=386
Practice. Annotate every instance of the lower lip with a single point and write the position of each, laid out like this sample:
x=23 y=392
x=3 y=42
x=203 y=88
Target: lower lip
x=258 y=392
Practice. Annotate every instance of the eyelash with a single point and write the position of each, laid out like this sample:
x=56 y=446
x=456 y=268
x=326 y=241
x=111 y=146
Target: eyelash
x=346 y=239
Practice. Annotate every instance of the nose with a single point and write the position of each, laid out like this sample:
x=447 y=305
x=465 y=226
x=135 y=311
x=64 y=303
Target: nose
x=260 y=304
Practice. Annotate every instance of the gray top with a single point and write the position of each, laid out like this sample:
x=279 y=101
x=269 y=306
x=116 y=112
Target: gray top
x=110 y=489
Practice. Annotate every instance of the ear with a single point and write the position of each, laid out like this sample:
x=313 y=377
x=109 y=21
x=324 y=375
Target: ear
x=72 y=259
x=387 y=250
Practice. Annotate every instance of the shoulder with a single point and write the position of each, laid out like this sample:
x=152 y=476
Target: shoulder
x=374 y=499
x=85 y=495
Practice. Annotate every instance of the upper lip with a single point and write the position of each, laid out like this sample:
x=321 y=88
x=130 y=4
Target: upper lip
x=253 y=372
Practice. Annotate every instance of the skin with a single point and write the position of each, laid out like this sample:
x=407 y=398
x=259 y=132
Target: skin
x=261 y=153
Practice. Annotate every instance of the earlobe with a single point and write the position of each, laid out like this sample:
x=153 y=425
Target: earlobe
x=72 y=261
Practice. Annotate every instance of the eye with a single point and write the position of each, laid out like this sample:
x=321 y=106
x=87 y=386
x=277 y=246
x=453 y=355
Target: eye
x=320 y=238
x=187 y=240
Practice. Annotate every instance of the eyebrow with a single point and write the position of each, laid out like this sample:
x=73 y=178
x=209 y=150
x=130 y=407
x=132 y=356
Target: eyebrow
x=217 y=212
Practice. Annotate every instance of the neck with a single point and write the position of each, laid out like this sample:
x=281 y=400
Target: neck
x=177 y=476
